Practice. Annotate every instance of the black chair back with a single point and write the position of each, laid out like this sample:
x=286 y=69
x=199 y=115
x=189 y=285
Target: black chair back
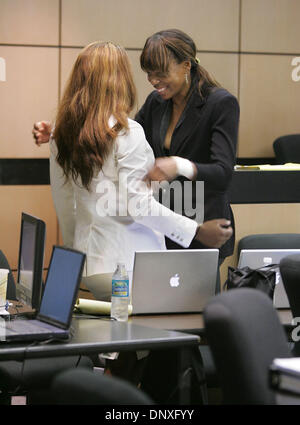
x=245 y=335
x=287 y=148
x=81 y=387
x=270 y=241
x=290 y=273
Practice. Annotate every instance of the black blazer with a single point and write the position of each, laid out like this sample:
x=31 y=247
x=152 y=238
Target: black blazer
x=206 y=134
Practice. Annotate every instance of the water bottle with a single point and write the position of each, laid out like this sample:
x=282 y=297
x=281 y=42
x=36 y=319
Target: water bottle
x=120 y=294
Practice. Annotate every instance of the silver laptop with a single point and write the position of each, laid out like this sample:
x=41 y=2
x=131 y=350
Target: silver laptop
x=256 y=258
x=173 y=281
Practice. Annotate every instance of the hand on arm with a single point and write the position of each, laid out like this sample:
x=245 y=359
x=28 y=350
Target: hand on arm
x=41 y=132
x=214 y=233
x=168 y=168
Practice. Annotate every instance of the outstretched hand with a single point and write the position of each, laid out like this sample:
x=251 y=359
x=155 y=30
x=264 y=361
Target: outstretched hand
x=214 y=233
x=41 y=132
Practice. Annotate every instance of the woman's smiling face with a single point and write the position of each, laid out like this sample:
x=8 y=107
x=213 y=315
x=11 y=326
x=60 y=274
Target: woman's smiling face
x=174 y=83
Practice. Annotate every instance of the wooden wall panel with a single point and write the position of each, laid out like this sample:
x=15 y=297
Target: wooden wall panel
x=212 y=23
x=270 y=26
x=29 y=21
x=224 y=67
x=68 y=58
x=269 y=101
x=29 y=93
x=34 y=200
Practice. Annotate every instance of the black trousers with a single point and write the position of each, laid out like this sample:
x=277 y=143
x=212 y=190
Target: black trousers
x=218 y=282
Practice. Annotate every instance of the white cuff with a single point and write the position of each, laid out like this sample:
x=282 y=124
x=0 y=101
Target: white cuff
x=184 y=167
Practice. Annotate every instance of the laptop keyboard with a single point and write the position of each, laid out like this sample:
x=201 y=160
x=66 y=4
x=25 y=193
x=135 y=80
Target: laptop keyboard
x=28 y=327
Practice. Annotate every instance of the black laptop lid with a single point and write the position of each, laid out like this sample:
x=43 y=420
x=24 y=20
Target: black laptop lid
x=31 y=259
x=63 y=279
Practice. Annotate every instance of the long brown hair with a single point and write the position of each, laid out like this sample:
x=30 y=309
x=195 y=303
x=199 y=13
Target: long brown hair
x=163 y=46
x=100 y=86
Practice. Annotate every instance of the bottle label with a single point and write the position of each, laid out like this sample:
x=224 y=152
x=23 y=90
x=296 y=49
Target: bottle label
x=120 y=288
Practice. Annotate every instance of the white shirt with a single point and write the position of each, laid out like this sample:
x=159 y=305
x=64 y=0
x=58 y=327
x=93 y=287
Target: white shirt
x=88 y=219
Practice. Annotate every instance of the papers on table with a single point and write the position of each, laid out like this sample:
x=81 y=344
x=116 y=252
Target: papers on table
x=268 y=167
x=87 y=306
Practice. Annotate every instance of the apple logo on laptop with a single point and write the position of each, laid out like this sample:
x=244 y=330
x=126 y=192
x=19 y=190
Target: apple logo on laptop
x=174 y=281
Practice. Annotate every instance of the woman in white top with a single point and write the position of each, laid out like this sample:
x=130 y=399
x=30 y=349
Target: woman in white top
x=98 y=160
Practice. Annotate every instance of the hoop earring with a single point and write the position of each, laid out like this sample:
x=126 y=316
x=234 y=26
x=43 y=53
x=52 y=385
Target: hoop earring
x=186 y=78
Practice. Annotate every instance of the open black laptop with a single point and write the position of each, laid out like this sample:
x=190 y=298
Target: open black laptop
x=30 y=263
x=55 y=314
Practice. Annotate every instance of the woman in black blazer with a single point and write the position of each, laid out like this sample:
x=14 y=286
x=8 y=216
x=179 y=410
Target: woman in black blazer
x=191 y=124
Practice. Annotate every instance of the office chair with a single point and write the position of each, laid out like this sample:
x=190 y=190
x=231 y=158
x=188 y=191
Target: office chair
x=245 y=335
x=287 y=148
x=270 y=241
x=290 y=274
x=31 y=376
x=84 y=387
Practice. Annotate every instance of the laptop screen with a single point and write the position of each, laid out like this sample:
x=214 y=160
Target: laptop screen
x=31 y=257
x=27 y=254
x=64 y=275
